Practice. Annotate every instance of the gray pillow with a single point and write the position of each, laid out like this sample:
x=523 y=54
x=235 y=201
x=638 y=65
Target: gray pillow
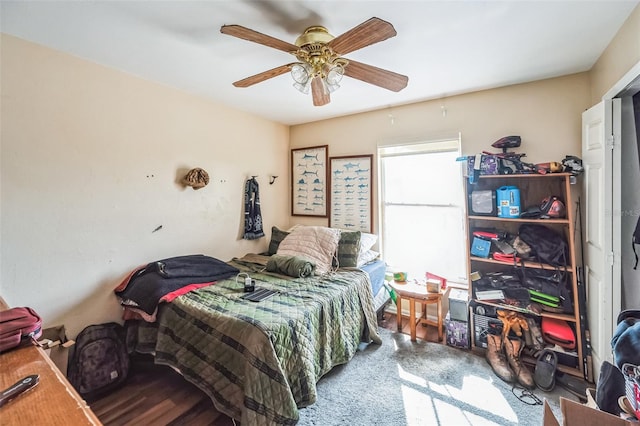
x=349 y=248
x=277 y=235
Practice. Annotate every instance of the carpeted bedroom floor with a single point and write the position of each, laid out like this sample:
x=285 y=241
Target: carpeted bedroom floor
x=421 y=383
x=397 y=383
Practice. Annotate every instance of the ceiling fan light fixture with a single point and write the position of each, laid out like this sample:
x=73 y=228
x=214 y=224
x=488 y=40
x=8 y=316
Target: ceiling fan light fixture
x=334 y=76
x=303 y=87
x=330 y=88
x=320 y=67
x=300 y=73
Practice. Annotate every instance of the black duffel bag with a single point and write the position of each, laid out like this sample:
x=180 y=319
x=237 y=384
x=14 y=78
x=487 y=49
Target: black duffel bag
x=546 y=244
x=552 y=282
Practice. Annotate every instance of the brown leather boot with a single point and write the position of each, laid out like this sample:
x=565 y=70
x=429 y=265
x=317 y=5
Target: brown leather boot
x=513 y=348
x=497 y=359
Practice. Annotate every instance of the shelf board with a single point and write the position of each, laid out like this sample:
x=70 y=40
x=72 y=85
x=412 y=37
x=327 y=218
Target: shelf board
x=566 y=317
x=574 y=371
x=518 y=219
x=531 y=361
x=525 y=175
x=526 y=263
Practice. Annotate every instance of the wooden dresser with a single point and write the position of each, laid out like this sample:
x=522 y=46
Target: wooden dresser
x=52 y=402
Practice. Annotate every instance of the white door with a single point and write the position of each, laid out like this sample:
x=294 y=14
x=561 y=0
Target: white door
x=600 y=153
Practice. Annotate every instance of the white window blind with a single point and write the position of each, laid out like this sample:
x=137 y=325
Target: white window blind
x=422 y=210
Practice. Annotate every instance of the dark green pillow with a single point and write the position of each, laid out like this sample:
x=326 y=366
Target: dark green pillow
x=349 y=248
x=277 y=235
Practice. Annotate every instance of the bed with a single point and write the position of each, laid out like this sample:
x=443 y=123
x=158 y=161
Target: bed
x=259 y=362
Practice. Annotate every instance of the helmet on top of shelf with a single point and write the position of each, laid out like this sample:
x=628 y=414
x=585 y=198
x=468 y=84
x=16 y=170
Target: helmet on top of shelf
x=552 y=208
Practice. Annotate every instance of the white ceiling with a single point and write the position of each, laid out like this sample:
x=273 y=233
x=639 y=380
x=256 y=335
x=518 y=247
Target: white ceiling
x=444 y=47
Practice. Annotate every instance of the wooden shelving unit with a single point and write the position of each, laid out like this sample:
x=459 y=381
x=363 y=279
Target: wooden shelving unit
x=533 y=189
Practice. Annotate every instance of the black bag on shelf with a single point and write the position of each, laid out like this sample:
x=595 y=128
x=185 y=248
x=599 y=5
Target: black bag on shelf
x=554 y=283
x=548 y=246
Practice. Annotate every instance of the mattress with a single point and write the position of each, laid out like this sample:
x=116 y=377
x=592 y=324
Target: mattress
x=376 y=271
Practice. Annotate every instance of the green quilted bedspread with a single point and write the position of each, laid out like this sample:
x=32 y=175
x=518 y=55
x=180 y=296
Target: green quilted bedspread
x=260 y=361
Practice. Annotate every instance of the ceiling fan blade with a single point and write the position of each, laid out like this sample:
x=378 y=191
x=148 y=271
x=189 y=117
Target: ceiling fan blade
x=369 y=32
x=377 y=76
x=250 y=81
x=256 y=37
x=320 y=96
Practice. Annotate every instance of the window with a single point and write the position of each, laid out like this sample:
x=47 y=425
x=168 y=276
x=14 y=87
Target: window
x=421 y=209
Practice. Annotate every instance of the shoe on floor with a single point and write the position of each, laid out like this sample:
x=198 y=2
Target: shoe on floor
x=574 y=385
x=545 y=372
x=497 y=359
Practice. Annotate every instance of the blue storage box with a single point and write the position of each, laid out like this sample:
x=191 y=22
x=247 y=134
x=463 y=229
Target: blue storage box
x=508 y=201
x=480 y=247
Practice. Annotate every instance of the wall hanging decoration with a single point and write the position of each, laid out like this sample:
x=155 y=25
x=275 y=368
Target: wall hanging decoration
x=309 y=176
x=253 y=228
x=196 y=178
x=350 y=189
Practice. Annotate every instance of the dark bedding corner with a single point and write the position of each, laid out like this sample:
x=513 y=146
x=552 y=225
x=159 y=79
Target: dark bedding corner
x=147 y=285
x=260 y=361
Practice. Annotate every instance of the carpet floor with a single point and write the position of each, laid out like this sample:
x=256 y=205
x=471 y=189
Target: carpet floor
x=421 y=383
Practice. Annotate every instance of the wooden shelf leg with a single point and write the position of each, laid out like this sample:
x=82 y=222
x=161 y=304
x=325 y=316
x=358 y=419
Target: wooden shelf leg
x=412 y=318
x=439 y=319
x=399 y=312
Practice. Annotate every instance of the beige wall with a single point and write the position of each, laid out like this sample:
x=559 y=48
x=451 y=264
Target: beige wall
x=545 y=113
x=90 y=159
x=90 y=163
x=620 y=55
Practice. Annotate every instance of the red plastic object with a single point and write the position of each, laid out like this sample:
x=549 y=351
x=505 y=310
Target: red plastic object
x=558 y=332
x=443 y=281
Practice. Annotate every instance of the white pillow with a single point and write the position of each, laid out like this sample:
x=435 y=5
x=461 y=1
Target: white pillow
x=317 y=244
x=367 y=257
x=367 y=241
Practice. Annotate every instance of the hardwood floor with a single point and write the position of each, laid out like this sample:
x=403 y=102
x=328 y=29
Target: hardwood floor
x=157 y=395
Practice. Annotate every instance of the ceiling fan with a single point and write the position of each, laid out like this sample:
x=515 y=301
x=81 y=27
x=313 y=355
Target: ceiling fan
x=320 y=65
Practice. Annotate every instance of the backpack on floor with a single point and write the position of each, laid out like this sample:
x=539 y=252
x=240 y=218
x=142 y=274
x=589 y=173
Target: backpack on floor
x=98 y=362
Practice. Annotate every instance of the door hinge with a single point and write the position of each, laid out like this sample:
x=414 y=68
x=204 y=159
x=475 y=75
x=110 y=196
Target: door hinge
x=611 y=142
x=610 y=258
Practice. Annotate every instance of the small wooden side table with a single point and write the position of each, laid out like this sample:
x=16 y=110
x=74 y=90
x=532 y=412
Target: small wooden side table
x=416 y=293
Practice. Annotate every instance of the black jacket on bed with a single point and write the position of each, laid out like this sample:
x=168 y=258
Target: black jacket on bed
x=149 y=284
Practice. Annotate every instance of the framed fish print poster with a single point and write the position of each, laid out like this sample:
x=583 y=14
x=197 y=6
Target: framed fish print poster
x=309 y=176
x=350 y=192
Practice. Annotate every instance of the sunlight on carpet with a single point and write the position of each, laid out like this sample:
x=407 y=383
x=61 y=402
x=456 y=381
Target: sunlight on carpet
x=423 y=383
x=422 y=406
